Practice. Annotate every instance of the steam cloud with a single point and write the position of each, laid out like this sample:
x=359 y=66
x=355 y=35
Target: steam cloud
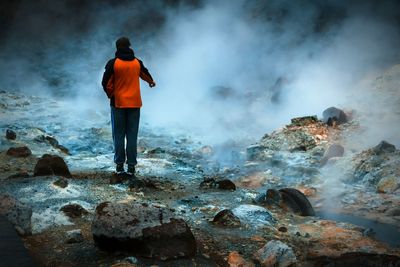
x=224 y=69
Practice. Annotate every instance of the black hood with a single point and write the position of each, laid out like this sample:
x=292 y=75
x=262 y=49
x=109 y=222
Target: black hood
x=126 y=54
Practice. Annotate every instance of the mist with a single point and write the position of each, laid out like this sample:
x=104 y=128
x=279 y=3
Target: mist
x=224 y=70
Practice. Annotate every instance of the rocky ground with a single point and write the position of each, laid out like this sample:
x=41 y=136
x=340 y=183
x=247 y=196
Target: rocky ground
x=188 y=209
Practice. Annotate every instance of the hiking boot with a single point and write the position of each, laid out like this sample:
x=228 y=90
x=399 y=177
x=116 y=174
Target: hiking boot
x=120 y=169
x=131 y=171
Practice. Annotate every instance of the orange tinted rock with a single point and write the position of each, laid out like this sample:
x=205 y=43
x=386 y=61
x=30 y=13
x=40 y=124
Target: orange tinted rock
x=235 y=260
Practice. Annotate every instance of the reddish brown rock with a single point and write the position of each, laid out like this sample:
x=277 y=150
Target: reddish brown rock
x=19 y=152
x=143 y=230
x=51 y=165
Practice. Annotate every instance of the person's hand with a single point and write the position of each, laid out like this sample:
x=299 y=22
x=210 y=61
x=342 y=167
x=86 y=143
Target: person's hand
x=152 y=84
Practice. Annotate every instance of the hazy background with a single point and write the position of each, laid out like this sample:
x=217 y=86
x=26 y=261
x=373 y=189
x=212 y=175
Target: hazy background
x=224 y=69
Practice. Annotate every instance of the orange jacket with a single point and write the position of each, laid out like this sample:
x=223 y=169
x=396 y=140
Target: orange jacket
x=121 y=79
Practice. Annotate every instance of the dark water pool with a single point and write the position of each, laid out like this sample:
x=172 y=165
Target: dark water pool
x=387 y=233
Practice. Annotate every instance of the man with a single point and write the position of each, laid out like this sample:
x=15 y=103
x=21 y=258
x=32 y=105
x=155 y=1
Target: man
x=121 y=84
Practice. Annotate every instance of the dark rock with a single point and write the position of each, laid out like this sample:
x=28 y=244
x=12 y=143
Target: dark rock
x=332 y=116
x=143 y=230
x=226 y=218
x=282 y=229
x=334 y=150
x=384 y=147
x=74 y=210
x=62 y=182
x=51 y=165
x=74 y=236
x=17 y=213
x=304 y=121
x=19 y=152
x=21 y=174
x=297 y=201
x=117 y=178
x=11 y=135
x=226 y=185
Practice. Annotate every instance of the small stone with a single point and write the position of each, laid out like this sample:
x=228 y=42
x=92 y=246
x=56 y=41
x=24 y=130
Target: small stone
x=282 y=229
x=393 y=212
x=19 y=152
x=21 y=174
x=276 y=253
x=10 y=134
x=74 y=210
x=226 y=185
x=62 y=182
x=226 y=218
x=74 y=236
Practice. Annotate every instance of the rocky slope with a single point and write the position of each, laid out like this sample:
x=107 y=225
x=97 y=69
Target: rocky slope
x=233 y=215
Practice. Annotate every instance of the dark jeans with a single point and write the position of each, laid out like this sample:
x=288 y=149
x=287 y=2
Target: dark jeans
x=125 y=123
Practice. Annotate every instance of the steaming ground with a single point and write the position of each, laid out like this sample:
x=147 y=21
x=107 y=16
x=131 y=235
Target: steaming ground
x=224 y=70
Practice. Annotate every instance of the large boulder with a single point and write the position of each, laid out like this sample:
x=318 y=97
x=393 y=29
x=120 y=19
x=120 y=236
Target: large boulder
x=51 y=165
x=332 y=116
x=276 y=254
x=143 y=230
x=19 y=152
x=17 y=213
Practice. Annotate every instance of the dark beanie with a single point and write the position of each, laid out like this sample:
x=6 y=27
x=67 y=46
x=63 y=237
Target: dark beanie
x=123 y=42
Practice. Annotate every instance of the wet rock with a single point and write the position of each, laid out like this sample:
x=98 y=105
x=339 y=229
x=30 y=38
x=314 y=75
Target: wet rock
x=142 y=229
x=333 y=151
x=54 y=143
x=11 y=135
x=62 y=182
x=236 y=260
x=226 y=218
x=276 y=254
x=74 y=210
x=384 y=147
x=19 y=152
x=304 y=121
x=21 y=174
x=17 y=213
x=297 y=201
x=388 y=184
x=74 y=236
x=333 y=116
x=51 y=165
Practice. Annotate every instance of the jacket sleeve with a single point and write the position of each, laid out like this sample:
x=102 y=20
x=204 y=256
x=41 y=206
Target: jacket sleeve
x=144 y=73
x=107 y=81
